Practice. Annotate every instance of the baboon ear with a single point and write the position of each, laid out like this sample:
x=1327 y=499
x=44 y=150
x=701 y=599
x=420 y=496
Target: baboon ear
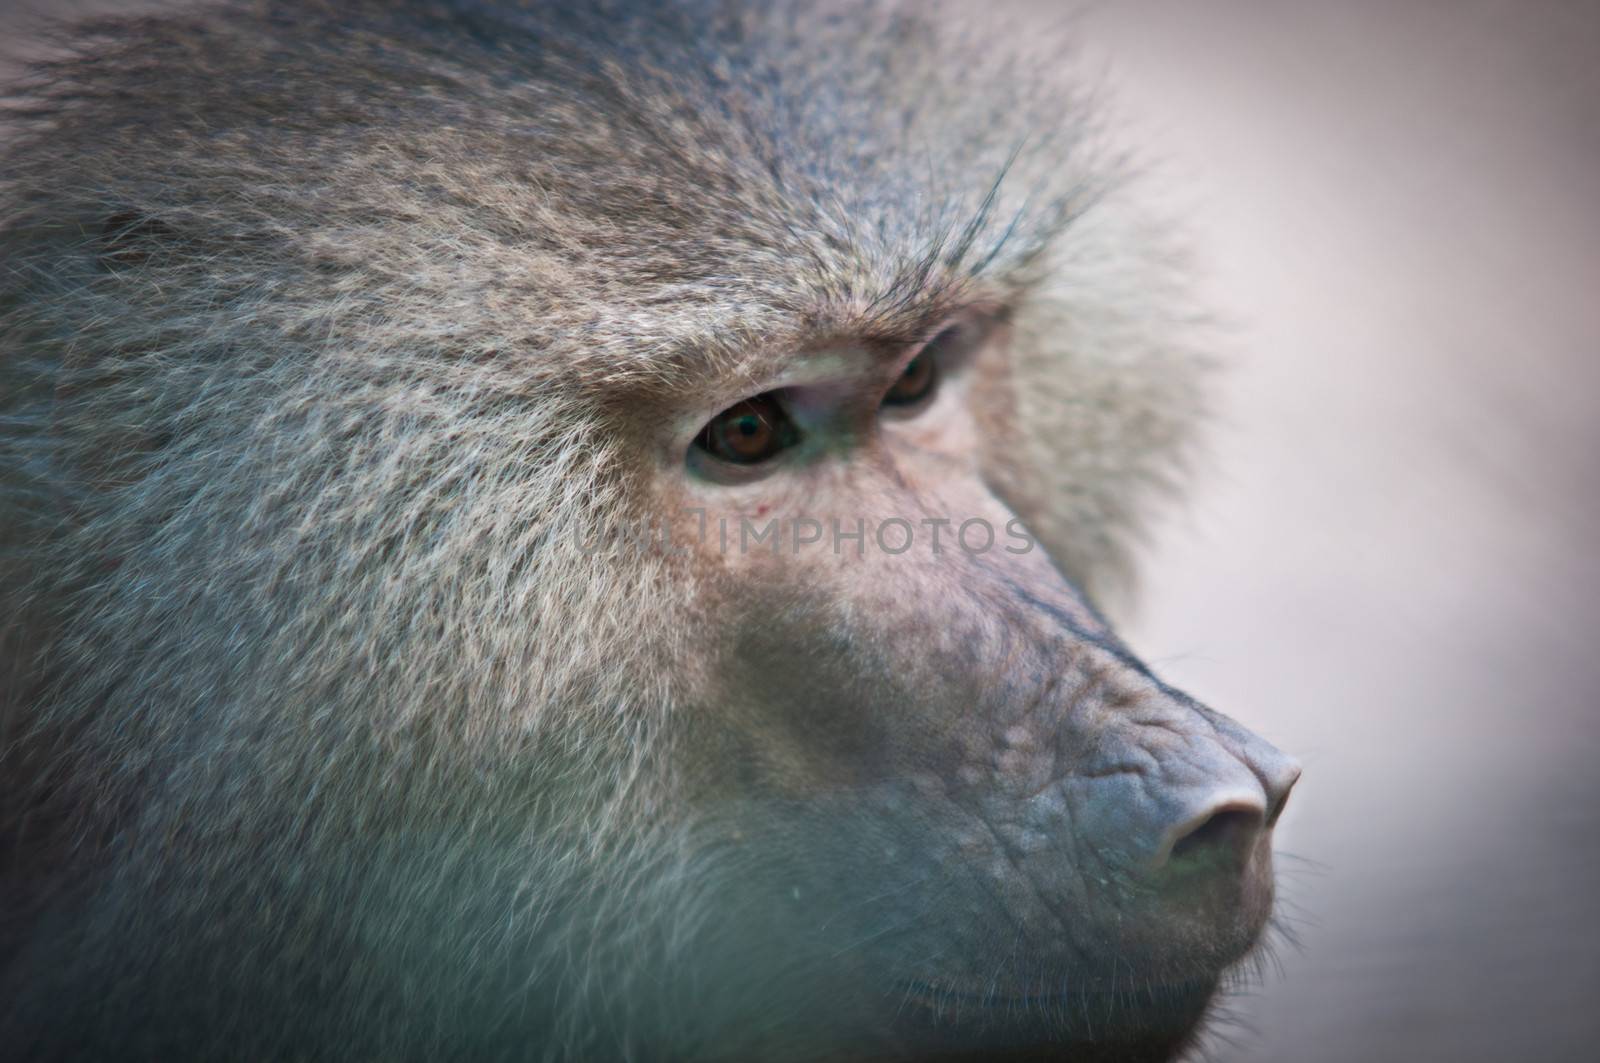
x=131 y=238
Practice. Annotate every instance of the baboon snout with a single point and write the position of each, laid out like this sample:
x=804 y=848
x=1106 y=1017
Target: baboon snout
x=1209 y=802
x=1229 y=819
x=1179 y=790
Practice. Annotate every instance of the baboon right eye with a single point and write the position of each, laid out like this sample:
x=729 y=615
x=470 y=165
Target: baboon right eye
x=749 y=432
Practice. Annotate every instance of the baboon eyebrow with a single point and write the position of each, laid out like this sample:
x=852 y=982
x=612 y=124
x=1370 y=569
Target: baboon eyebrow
x=890 y=343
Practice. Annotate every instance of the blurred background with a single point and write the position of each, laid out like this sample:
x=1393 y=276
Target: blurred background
x=1390 y=567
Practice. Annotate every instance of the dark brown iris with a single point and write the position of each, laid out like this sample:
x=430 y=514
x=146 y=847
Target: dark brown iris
x=749 y=432
x=916 y=381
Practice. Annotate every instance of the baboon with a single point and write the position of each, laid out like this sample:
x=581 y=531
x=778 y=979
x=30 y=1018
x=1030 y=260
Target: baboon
x=539 y=530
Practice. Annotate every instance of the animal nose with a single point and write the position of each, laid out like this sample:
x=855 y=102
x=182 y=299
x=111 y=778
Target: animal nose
x=1224 y=833
x=1223 y=826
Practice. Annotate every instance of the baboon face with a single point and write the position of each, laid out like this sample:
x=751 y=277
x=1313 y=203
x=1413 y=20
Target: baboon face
x=544 y=530
x=998 y=824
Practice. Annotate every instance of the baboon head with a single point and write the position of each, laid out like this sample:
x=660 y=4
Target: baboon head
x=535 y=532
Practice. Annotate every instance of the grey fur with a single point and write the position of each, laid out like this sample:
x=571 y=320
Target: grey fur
x=317 y=327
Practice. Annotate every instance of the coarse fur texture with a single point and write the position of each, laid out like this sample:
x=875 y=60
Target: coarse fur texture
x=331 y=337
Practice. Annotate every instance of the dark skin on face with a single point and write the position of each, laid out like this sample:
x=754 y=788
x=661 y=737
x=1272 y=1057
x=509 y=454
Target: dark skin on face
x=1019 y=838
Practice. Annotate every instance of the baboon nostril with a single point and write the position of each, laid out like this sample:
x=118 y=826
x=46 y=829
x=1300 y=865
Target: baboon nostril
x=1226 y=834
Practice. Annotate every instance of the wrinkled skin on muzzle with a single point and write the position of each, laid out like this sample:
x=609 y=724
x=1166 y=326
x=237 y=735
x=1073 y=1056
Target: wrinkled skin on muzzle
x=997 y=828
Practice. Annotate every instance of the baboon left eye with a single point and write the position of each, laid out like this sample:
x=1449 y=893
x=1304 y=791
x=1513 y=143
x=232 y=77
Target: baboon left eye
x=916 y=382
x=952 y=347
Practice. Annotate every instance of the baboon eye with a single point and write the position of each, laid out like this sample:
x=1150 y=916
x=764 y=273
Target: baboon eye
x=916 y=382
x=920 y=377
x=750 y=432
